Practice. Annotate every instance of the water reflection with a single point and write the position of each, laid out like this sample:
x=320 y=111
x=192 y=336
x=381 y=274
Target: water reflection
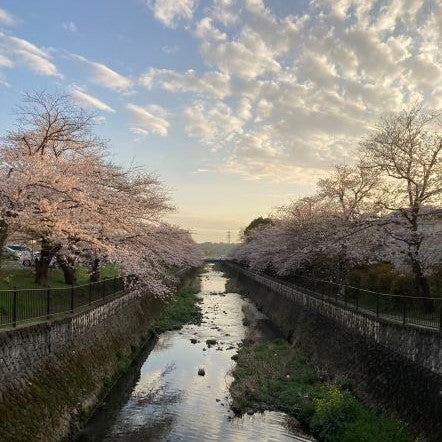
x=169 y=401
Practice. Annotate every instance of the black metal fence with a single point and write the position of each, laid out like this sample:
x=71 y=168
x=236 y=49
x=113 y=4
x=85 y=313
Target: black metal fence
x=425 y=312
x=416 y=310
x=30 y=305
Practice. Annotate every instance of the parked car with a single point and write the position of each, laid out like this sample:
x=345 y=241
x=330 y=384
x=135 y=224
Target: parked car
x=20 y=249
x=27 y=259
x=10 y=253
x=53 y=264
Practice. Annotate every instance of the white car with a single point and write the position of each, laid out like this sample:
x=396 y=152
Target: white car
x=10 y=253
x=26 y=259
x=20 y=249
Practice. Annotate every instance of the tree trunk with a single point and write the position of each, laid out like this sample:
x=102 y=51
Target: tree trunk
x=69 y=270
x=95 y=270
x=422 y=285
x=3 y=237
x=43 y=262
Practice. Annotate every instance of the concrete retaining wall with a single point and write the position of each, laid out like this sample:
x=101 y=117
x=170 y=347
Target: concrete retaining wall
x=52 y=374
x=391 y=366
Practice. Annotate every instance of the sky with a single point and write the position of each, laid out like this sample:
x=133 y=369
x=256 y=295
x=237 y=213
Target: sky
x=238 y=105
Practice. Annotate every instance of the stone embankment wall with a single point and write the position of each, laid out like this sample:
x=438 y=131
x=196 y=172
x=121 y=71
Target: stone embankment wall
x=391 y=366
x=52 y=374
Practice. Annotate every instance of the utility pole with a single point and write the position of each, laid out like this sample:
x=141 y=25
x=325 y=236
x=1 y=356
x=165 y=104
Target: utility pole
x=229 y=237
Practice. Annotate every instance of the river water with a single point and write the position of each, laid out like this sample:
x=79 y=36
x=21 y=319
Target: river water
x=163 y=398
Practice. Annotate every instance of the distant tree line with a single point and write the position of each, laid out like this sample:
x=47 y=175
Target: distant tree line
x=217 y=249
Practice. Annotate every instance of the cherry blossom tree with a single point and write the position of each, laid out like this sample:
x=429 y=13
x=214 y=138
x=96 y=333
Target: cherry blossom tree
x=349 y=192
x=365 y=213
x=60 y=188
x=42 y=157
x=405 y=151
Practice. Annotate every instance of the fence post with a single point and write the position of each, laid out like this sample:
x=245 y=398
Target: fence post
x=14 y=308
x=48 y=303
x=440 y=316
x=72 y=298
x=90 y=293
x=345 y=295
x=377 y=305
x=357 y=298
x=115 y=285
x=404 y=312
x=103 y=288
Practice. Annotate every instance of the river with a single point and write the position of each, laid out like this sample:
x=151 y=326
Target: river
x=163 y=398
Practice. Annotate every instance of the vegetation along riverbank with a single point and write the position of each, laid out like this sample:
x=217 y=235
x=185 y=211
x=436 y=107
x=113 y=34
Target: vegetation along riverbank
x=182 y=309
x=277 y=376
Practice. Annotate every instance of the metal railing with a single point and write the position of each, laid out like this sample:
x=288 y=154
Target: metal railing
x=424 y=312
x=30 y=305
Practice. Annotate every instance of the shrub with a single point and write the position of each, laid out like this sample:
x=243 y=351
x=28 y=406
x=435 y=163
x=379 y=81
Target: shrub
x=332 y=409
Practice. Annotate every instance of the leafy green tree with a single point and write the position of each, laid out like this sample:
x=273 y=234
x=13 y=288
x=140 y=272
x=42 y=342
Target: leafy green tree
x=257 y=223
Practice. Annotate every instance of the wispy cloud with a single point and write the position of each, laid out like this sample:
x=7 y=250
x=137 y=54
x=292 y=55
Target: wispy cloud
x=104 y=76
x=69 y=26
x=169 y=11
x=151 y=118
x=16 y=51
x=7 y=19
x=214 y=84
x=79 y=95
x=139 y=131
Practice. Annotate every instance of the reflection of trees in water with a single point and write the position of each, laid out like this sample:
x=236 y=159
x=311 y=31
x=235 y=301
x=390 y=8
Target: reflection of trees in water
x=232 y=286
x=154 y=386
x=146 y=416
x=158 y=431
x=236 y=283
x=164 y=342
x=159 y=395
x=107 y=413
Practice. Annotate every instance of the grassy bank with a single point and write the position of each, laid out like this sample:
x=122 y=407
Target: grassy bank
x=276 y=376
x=23 y=278
x=182 y=309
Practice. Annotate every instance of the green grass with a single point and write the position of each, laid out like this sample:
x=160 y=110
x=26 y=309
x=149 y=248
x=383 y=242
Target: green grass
x=276 y=376
x=23 y=278
x=182 y=309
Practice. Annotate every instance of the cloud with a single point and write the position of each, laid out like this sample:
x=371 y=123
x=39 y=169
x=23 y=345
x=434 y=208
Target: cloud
x=69 y=26
x=212 y=124
x=170 y=49
x=79 y=95
x=105 y=76
x=169 y=11
x=16 y=51
x=202 y=170
x=151 y=118
x=4 y=83
x=304 y=88
x=139 y=131
x=215 y=84
x=225 y=11
x=247 y=56
x=7 y=19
